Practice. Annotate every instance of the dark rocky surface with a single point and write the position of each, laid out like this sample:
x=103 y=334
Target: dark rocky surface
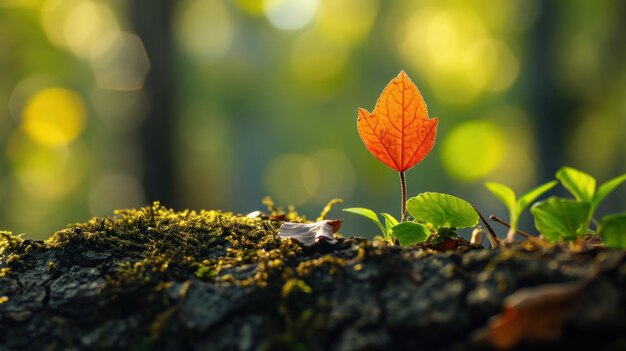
x=156 y=279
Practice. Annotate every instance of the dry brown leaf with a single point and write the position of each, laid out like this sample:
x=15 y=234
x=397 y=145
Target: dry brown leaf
x=310 y=233
x=532 y=314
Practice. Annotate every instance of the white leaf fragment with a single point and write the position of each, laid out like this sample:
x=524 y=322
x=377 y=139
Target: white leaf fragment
x=310 y=233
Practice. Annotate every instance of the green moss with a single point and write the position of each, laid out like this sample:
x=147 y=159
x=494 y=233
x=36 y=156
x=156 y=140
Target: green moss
x=12 y=249
x=204 y=238
x=9 y=243
x=155 y=247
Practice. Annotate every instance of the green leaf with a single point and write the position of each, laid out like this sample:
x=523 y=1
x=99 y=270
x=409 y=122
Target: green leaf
x=409 y=233
x=613 y=231
x=607 y=188
x=390 y=221
x=580 y=184
x=532 y=195
x=558 y=218
x=366 y=212
x=505 y=194
x=442 y=210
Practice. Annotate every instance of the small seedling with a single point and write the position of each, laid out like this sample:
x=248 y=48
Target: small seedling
x=398 y=132
x=442 y=211
x=440 y=214
x=567 y=219
x=612 y=230
x=516 y=206
x=583 y=187
x=385 y=230
x=433 y=213
x=557 y=218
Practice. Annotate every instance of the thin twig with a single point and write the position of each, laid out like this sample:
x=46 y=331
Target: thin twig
x=403 y=189
x=522 y=233
x=493 y=238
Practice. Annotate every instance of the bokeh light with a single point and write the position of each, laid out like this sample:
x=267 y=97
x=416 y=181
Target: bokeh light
x=292 y=179
x=296 y=179
x=336 y=175
x=43 y=172
x=120 y=62
x=346 y=22
x=54 y=117
x=24 y=90
x=252 y=7
x=473 y=149
x=258 y=97
x=598 y=134
x=204 y=29
x=315 y=59
x=454 y=49
x=500 y=66
x=290 y=14
x=77 y=24
x=520 y=160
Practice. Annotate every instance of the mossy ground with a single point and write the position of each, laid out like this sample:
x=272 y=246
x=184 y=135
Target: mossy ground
x=153 y=247
x=153 y=278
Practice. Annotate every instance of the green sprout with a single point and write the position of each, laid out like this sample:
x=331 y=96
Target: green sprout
x=390 y=221
x=568 y=219
x=433 y=213
x=516 y=206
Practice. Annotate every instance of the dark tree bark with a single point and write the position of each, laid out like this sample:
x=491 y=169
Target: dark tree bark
x=153 y=279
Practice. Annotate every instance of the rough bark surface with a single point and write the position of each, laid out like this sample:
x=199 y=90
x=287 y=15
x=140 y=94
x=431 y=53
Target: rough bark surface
x=156 y=279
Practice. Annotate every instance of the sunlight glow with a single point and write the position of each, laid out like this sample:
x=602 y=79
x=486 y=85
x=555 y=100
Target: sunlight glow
x=290 y=14
x=453 y=48
x=252 y=7
x=500 y=66
x=77 y=24
x=291 y=179
x=346 y=21
x=45 y=173
x=313 y=58
x=120 y=62
x=337 y=177
x=204 y=29
x=473 y=149
x=521 y=157
x=54 y=117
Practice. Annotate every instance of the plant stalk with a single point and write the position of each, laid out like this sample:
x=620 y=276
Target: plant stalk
x=530 y=237
x=523 y=233
x=403 y=189
x=493 y=238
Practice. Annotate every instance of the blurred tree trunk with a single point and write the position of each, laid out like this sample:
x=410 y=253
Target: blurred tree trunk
x=152 y=22
x=549 y=111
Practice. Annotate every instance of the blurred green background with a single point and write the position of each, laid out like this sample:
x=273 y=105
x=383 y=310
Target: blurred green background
x=216 y=103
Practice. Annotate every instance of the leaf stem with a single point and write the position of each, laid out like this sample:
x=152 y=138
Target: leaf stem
x=403 y=189
x=493 y=238
x=523 y=233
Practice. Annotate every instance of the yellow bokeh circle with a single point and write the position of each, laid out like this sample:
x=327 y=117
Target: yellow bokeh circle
x=473 y=150
x=53 y=117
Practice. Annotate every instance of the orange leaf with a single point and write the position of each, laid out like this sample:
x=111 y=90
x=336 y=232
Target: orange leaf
x=398 y=132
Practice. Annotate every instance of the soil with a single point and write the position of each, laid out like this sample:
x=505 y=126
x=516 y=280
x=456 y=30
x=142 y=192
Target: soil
x=153 y=278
